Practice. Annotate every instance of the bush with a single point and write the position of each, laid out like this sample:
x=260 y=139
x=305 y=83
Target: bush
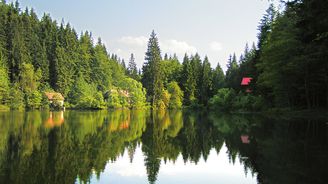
x=16 y=98
x=227 y=100
x=223 y=100
x=176 y=95
x=33 y=100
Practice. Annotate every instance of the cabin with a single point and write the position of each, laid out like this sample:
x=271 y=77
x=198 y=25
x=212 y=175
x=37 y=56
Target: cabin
x=55 y=99
x=245 y=82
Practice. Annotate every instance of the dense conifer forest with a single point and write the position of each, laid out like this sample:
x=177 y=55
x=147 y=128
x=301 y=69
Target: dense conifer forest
x=288 y=66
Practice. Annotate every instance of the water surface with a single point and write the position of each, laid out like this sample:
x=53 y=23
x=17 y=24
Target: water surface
x=161 y=147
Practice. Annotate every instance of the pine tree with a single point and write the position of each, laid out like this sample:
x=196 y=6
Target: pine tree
x=188 y=81
x=206 y=82
x=132 y=68
x=152 y=77
x=218 y=78
x=266 y=25
x=196 y=65
x=232 y=78
x=102 y=74
x=85 y=55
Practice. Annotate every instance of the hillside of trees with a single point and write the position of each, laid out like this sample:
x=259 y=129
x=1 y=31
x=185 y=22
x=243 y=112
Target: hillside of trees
x=288 y=66
x=38 y=55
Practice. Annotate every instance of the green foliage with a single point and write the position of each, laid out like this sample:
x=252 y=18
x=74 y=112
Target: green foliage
x=101 y=72
x=248 y=102
x=85 y=95
x=33 y=100
x=176 y=95
x=232 y=78
x=188 y=81
x=218 y=78
x=130 y=94
x=223 y=100
x=287 y=64
x=42 y=55
x=4 y=83
x=114 y=100
x=171 y=70
x=152 y=78
x=137 y=94
x=132 y=69
x=206 y=86
x=29 y=80
x=16 y=98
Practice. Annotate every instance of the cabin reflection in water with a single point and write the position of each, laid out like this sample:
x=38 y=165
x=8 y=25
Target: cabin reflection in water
x=55 y=119
x=245 y=139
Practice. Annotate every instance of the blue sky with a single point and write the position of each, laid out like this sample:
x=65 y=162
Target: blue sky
x=215 y=28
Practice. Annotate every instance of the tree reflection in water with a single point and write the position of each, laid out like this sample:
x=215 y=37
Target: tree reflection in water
x=61 y=147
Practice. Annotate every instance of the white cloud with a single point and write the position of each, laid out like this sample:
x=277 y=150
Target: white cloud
x=178 y=47
x=140 y=41
x=126 y=45
x=215 y=46
x=167 y=46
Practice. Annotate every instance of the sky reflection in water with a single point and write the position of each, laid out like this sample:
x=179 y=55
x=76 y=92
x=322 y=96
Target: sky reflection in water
x=216 y=169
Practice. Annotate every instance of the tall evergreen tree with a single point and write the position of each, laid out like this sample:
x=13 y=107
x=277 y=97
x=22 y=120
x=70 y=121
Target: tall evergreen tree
x=206 y=82
x=152 y=77
x=218 y=78
x=132 y=68
x=196 y=66
x=102 y=74
x=188 y=81
x=232 y=78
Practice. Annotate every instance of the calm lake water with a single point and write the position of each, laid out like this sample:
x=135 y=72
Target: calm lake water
x=161 y=147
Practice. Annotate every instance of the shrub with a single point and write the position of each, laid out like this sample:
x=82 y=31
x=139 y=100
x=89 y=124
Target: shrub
x=176 y=95
x=223 y=100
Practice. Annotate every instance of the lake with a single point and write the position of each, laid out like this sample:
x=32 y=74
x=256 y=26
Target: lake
x=161 y=147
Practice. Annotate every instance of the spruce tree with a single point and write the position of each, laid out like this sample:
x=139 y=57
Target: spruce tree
x=218 y=78
x=232 y=78
x=188 y=81
x=206 y=82
x=132 y=68
x=152 y=77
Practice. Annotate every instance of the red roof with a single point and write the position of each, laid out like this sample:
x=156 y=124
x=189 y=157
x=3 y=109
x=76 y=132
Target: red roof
x=246 y=81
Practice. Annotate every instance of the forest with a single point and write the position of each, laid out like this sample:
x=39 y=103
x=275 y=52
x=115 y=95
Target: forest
x=287 y=66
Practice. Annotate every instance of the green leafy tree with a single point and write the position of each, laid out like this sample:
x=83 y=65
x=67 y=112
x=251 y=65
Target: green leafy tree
x=4 y=82
x=16 y=98
x=223 y=100
x=171 y=69
x=176 y=95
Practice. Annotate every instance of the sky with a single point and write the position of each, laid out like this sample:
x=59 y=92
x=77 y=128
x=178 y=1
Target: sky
x=213 y=28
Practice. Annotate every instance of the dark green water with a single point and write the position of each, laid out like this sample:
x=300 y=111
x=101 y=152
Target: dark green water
x=162 y=147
